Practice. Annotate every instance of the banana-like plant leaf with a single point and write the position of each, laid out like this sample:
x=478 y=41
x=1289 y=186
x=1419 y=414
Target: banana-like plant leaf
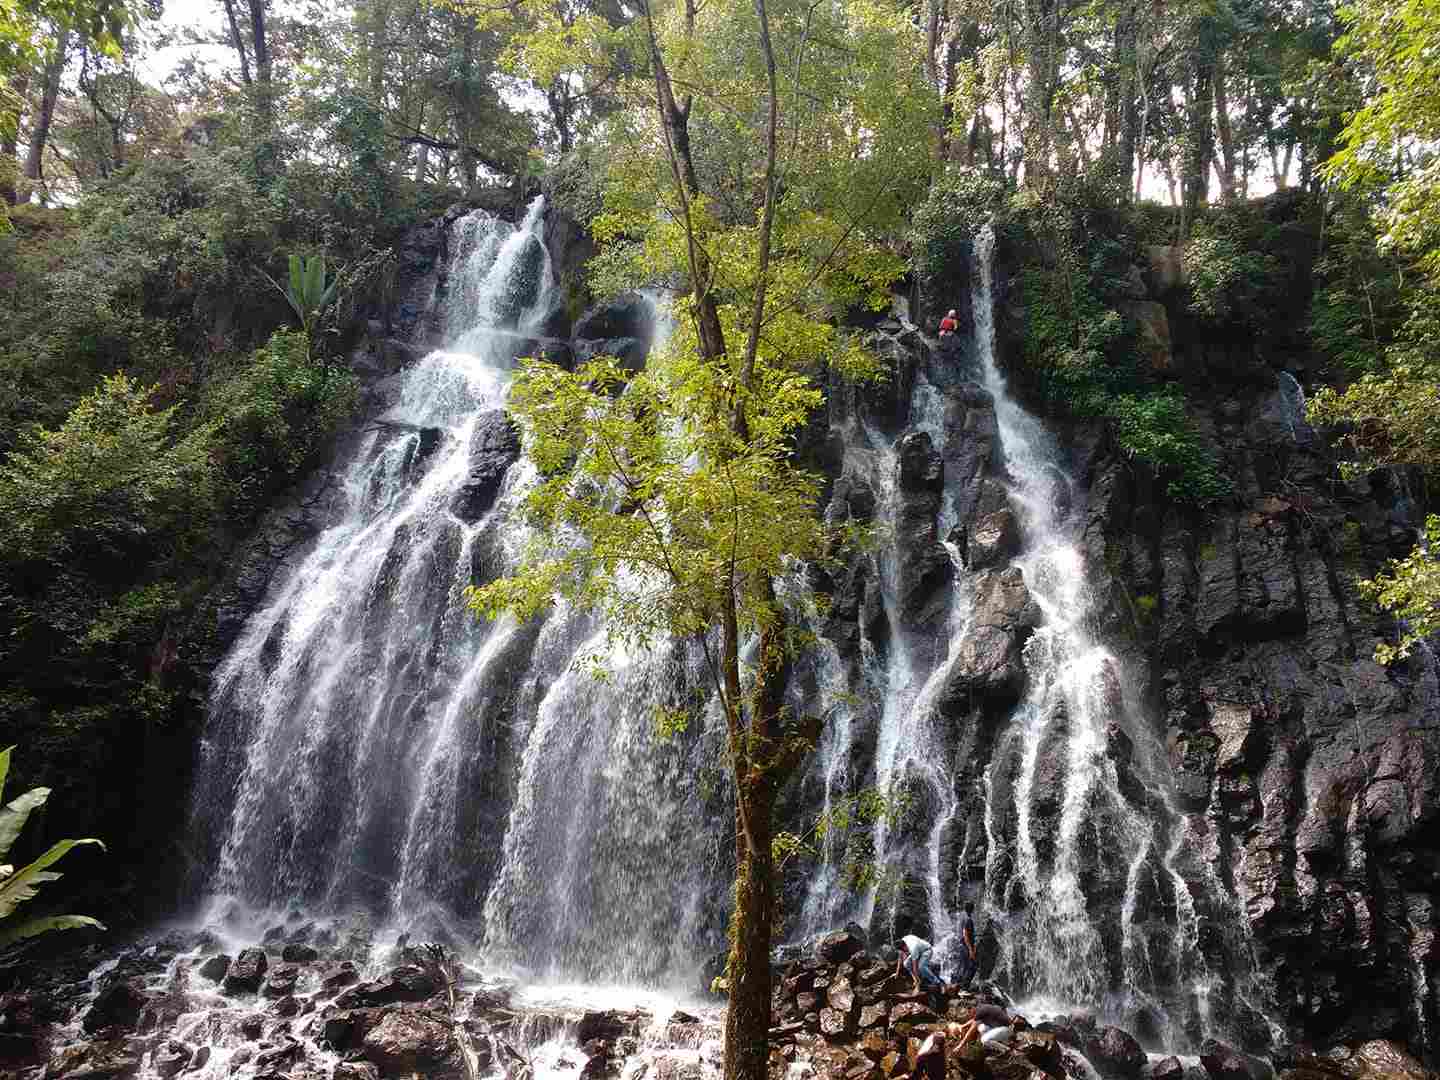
x=22 y=885
x=12 y=817
x=12 y=935
x=4 y=769
x=315 y=282
x=297 y=280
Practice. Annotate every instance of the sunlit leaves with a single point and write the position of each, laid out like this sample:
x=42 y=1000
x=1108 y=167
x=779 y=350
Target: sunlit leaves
x=649 y=509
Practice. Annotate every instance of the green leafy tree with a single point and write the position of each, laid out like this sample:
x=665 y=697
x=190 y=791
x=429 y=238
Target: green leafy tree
x=19 y=886
x=757 y=171
x=1388 y=156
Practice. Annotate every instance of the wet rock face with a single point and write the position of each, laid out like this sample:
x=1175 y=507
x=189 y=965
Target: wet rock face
x=1311 y=773
x=404 y=1043
x=494 y=447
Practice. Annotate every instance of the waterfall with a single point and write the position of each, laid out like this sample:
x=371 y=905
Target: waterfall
x=372 y=747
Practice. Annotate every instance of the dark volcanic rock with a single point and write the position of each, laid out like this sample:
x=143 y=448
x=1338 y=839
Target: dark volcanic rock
x=992 y=541
x=1167 y=1069
x=117 y=1005
x=494 y=447
x=1223 y=1062
x=838 y=947
x=96 y=1061
x=406 y=983
x=296 y=953
x=405 y=1043
x=214 y=967
x=171 y=1058
x=628 y=315
x=1115 y=1052
x=246 y=972
x=281 y=982
x=988 y=661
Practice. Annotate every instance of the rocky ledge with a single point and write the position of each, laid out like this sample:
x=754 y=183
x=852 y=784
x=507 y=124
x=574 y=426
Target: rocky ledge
x=840 y=1011
x=311 y=1004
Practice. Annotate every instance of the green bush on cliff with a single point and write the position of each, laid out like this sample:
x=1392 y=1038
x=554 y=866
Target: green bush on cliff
x=955 y=208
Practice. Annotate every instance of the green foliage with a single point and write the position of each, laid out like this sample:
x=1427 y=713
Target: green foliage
x=850 y=820
x=958 y=203
x=1389 y=142
x=111 y=475
x=1232 y=280
x=19 y=886
x=664 y=507
x=1409 y=589
x=1079 y=351
x=307 y=291
x=1361 y=294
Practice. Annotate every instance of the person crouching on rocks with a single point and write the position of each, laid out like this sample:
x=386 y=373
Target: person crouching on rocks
x=949 y=324
x=915 y=956
x=987 y=1023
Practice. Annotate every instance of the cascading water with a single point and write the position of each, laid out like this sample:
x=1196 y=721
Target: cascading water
x=374 y=747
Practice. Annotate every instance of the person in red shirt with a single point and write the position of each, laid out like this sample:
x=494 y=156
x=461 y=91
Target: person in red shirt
x=949 y=324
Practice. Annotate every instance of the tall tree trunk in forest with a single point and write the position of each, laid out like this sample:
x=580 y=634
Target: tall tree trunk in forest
x=1199 y=134
x=1042 y=29
x=1222 y=127
x=10 y=144
x=264 y=66
x=1128 y=118
x=45 y=111
x=238 y=41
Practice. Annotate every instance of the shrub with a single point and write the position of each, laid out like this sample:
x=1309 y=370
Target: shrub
x=957 y=205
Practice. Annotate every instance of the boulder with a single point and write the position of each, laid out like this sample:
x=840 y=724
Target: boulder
x=171 y=1058
x=1115 y=1052
x=494 y=447
x=199 y=1059
x=626 y=315
x=1167 y=1069
x=344 y=976
x=608 y=1025
x=874 y=1015
x=988 y=658
x=286 y=1007
x=246 y=973
x=1377 y=1059
x=405 y=1043
x=628 y=352
x=281 y=982
x=839 y=947
x=406 y=983
x=834 y=1023
x=298 y=953
x=1223 y=1062
x=841 y=997
x=355 y=1070
x=214 y=967
x=95 y=1061
x=118 y=1005
x=992 y=541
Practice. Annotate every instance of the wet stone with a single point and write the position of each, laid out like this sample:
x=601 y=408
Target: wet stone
x=841 y=997
x=287 y=1006
x=282 y=982
x=873 y=1015
x=807 y=1001
x=911 y=1012
x=214 y=967
x=246 y=972
x=171 y=1058
x=298 y=954
x=833 y=1023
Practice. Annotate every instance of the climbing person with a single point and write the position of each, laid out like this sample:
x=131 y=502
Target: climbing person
x=949 y=324
x=915 y=955
x=987 y=1023
x=969 y=958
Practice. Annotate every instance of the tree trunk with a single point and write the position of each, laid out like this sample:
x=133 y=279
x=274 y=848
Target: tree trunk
x=1127 y=54
x=10 y=144
x=238 y=42
x=1222 y=127
x=264 y=67
x=45 y=113
x=747 y=1019
x=1200 y=137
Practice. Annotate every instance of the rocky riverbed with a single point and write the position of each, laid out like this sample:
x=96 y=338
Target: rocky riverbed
x=319 y=1002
